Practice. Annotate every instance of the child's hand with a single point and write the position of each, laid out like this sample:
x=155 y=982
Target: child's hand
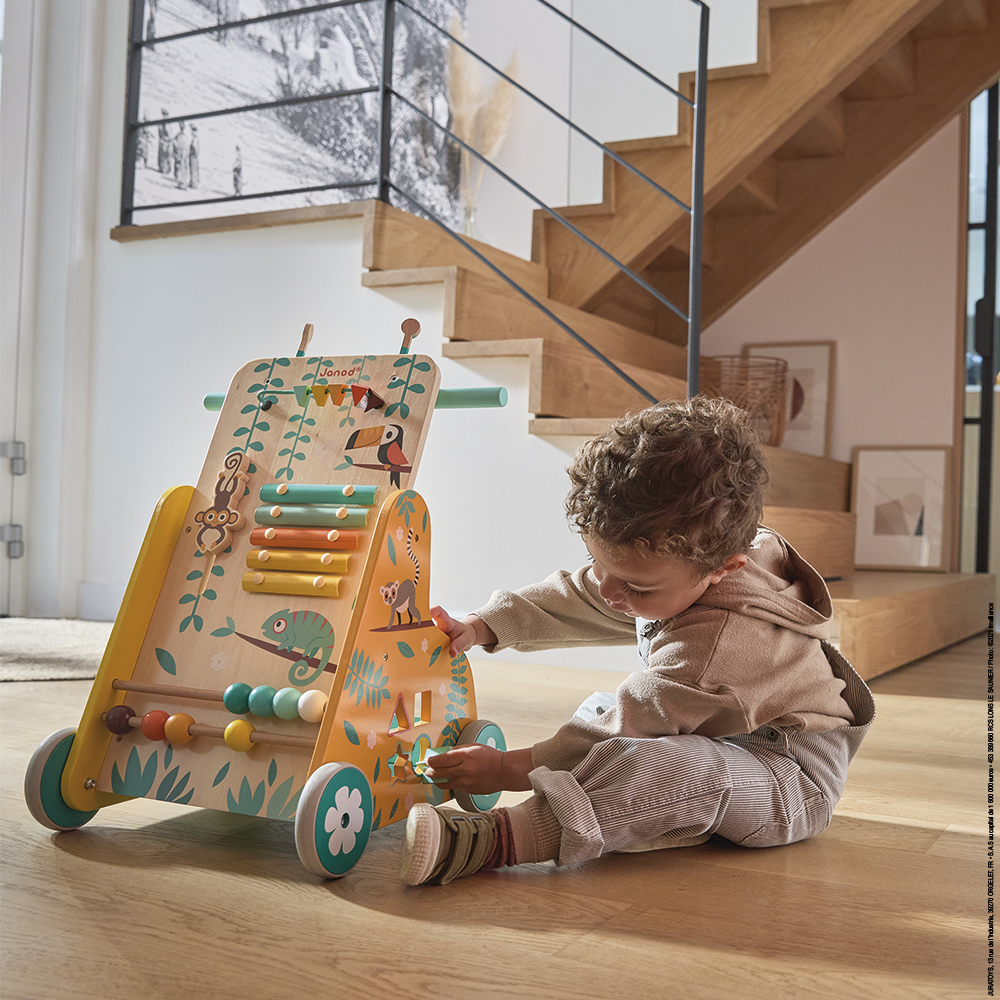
x=480 y=770
x=464 y=634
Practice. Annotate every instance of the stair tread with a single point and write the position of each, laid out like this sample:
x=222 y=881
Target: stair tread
x=867 y=585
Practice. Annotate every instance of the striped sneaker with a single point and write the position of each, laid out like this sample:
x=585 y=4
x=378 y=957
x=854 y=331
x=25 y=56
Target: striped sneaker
x=443 y=844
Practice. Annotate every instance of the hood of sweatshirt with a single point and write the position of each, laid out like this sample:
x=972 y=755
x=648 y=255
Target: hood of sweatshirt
x=776 y=585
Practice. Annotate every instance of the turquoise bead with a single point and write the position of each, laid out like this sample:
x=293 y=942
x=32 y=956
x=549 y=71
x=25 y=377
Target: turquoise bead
x=286 y=703
x=262 y=700
x=236 y=698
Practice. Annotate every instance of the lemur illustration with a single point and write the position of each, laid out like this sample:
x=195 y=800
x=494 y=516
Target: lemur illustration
x=402 y=596
x=221 y=519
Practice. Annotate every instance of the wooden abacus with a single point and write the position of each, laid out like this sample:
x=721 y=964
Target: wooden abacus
x=270 y=671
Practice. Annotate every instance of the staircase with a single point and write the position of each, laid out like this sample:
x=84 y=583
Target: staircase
x=841 y=93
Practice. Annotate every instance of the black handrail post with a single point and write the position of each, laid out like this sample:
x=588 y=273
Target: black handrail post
x=132 y=109
x=986 y=335
x=385 y=108
x=697 y=210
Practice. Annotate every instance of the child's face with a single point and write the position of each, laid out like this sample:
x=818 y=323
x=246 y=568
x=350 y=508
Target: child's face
x=645 y=585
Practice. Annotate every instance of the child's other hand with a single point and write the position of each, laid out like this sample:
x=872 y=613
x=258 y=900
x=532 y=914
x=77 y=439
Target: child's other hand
x=480 y=770
x=464 y=634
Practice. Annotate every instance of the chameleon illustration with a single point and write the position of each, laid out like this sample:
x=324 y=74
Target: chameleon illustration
x=304 y=631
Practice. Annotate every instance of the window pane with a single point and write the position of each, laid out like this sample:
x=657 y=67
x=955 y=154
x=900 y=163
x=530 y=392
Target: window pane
x=290 y=57
x=977 y=159
x=252 y=153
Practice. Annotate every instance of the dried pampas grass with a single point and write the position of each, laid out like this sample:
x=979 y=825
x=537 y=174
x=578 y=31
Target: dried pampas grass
x=478 y=119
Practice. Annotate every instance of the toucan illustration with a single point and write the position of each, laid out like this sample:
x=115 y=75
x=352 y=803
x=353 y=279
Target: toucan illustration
x=390 y=448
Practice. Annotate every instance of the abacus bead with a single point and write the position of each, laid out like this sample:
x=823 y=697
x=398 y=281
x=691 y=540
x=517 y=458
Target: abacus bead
x=236 y=698
x=116 y=719
x=176 y=728
x=286 y=703
x=153 y=723
x=262 y=700
x=237 y=735
x=312 y=705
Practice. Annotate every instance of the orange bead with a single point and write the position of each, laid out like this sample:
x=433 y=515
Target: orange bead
x=175 y=729
x=153 y=723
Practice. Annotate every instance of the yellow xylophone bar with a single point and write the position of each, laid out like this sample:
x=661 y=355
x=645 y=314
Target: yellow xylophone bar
x=292 y=561
x=303 y=584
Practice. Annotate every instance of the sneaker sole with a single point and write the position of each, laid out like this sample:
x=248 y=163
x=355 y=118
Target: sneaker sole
x=421 y=843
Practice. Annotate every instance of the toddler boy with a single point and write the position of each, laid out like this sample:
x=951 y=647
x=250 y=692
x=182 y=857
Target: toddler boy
x=743 y=719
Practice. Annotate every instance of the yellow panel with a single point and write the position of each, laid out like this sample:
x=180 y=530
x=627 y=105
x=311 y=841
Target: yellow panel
x=120 y=655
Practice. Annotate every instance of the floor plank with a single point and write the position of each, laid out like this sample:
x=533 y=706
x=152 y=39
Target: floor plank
x=166 y=900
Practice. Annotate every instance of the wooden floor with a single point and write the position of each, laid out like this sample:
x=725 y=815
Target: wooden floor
x=153 y=900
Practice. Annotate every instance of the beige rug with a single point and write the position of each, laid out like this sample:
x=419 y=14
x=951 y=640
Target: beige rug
x=51 y=649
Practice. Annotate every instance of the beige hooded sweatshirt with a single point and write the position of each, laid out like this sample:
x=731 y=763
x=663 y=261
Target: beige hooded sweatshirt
x=746 y=655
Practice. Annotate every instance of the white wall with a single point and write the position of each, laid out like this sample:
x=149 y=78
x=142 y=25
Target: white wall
x=881 y=282
x=597 y=91
x=127 y=338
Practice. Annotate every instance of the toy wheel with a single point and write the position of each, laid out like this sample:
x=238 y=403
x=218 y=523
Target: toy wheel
x=42 y=782
x=333 y=820
x=489 y=734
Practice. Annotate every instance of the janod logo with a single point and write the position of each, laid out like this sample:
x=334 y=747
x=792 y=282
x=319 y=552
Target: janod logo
x=339 y=372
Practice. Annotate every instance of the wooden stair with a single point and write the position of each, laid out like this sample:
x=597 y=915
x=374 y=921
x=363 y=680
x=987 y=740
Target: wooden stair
x=841 y=93
x=887 y=619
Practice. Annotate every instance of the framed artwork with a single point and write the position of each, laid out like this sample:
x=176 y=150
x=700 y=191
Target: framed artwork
x=239 y=106
x=902 y=498
x=809 y=407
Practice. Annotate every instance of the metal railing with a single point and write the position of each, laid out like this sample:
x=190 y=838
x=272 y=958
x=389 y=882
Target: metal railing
x=384 y=184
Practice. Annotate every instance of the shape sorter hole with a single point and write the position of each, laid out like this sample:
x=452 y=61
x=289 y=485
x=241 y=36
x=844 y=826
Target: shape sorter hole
x=400 y=721
x=421 y=708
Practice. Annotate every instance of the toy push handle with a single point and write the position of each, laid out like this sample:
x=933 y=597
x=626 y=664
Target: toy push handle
x=466 y=399
x=447 y=399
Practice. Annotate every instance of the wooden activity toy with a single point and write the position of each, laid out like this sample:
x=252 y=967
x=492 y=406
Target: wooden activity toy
x=274 y=653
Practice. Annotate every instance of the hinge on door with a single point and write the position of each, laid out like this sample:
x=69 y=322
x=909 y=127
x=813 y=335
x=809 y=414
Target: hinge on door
x=13 y=535
x=16 y=451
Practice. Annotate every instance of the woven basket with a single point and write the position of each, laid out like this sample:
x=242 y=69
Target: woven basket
x=756 y=385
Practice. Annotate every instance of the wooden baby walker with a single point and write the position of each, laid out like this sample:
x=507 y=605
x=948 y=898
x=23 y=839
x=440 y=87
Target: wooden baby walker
x=274 y=653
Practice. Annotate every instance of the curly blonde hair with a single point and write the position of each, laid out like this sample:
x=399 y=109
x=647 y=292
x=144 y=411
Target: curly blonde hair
x=681 y=478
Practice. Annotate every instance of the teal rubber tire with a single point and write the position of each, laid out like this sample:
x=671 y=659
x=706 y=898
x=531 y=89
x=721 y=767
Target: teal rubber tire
x=490 y=734
x=43 y=785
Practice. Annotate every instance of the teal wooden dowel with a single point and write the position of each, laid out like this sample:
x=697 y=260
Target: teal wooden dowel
x=447 y=399
x=468 y=399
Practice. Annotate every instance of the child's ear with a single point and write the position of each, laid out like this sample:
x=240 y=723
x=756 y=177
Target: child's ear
x=731 y=565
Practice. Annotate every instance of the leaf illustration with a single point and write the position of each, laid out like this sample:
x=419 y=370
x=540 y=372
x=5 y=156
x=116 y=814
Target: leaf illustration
x=290 y=806
x=272 y=771
x=352 y=733
x=392 y=550
x=405 y=649
x=166 y=661
x=392 y=811
x=223 y=771
x=279 y=799
x=378 y=767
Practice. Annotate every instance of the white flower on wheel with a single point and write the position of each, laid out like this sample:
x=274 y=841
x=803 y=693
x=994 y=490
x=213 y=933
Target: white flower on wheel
x=344 y=820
